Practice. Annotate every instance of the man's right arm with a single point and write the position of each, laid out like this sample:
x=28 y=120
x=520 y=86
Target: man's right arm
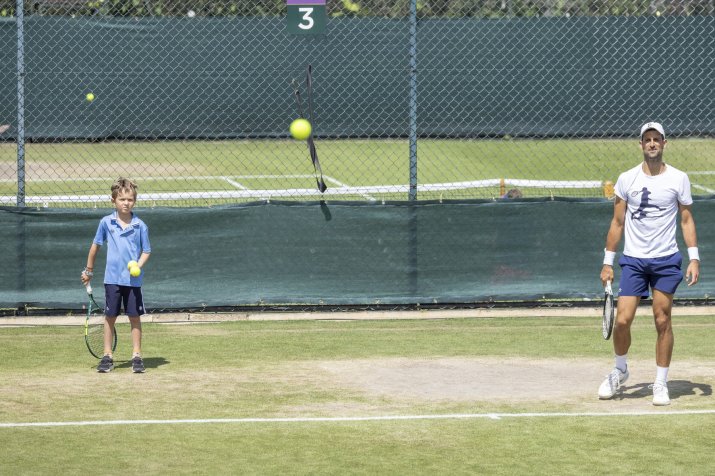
x=615 y=232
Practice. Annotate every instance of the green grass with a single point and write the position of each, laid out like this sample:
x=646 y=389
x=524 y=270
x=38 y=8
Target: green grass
x=183 y=166
x=278 y=369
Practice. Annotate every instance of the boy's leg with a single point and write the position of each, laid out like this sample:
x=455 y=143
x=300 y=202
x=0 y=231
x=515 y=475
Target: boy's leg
x=137 y=361
x=136 y=325
x=109 y=334
x=135 y=308
x=107 y=362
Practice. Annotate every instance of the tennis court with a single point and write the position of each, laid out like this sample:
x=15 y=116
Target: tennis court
x=423 y=395
x=210 y=173
x=416 y=317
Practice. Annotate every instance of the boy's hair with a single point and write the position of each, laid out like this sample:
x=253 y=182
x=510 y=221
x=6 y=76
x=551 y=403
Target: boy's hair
x=124 y=185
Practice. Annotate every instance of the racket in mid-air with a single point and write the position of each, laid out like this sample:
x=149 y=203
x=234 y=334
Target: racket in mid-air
x=94 y=327
x=311 y=143
x=607 y=323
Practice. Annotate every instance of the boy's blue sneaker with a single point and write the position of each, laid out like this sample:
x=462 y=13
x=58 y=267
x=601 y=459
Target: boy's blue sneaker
x=105 y=365
x=138 y=365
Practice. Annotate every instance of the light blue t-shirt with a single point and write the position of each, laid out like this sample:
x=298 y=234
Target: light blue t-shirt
x=123 y=246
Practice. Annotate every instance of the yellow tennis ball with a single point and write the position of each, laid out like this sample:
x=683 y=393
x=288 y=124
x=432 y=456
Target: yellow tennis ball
x=132 y=264
x=135 y=271
x=90 y=97
x=300 y=129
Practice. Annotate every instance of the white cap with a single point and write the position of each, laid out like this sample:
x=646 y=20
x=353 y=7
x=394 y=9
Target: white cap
x=656 y=126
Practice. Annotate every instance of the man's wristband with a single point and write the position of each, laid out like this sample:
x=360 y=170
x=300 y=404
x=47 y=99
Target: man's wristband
x=609 y=257
x=88 y=272
x=693 y=253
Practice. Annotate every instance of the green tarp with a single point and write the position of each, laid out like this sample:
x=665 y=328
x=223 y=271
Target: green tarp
x=334 y=254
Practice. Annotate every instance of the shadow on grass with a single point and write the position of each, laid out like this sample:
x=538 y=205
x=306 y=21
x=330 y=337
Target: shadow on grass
x=676 y=389
x=149 y=363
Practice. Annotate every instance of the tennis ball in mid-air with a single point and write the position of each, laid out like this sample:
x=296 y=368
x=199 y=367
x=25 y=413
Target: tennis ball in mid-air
x=90 y=97
x=132 y=264
x=300 y=129
x=135 y=271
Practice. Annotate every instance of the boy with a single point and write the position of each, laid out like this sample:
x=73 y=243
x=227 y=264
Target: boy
x=127 y=239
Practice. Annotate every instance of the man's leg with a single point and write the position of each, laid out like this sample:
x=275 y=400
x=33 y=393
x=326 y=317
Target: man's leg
x=626 y=313
x=662 y=311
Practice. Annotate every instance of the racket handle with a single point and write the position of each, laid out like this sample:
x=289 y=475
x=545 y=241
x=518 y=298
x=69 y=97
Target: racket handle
x=89 y=288
x=608 y=287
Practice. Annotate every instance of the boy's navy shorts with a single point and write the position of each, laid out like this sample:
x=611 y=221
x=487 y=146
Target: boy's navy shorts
x=129 y=297
x=639 y=274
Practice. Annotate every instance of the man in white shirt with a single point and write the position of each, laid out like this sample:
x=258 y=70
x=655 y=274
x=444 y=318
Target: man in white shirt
x=648 y=199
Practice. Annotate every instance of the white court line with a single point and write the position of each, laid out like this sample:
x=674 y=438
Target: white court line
x=341 y=184
x=234 y=183
x=451 y=416
x=704 y=189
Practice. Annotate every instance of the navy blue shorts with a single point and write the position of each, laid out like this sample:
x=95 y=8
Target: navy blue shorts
x=639 y=274
x=129 y=297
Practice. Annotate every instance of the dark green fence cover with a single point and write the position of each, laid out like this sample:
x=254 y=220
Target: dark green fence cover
x=312 y=254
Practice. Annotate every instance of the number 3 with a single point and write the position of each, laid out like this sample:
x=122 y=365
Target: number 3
x=306 y=16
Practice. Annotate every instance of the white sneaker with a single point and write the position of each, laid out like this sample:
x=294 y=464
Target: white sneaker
x=612 y=383
x=660 y=394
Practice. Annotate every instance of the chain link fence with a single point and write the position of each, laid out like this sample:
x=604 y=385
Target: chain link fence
x=447 y=100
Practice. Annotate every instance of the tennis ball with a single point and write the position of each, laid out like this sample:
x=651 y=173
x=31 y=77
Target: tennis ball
x=132 y=264
x=135 y=271
x=90 y=97
x=300 y=129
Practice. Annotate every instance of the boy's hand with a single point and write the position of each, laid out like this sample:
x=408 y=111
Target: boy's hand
x=86 y=275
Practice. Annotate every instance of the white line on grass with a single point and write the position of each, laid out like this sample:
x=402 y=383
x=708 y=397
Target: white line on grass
x=234 y=183
x=341 y=184
x=451 y=416
x=704 y=189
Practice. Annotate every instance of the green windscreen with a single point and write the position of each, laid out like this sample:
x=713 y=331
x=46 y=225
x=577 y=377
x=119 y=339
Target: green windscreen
x=332 y=254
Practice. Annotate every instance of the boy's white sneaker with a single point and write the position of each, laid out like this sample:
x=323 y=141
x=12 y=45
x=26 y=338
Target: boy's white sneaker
x=660 y=394
x=612 y=383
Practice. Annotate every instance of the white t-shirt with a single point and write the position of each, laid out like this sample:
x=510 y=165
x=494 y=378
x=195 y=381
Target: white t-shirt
x=652 y=209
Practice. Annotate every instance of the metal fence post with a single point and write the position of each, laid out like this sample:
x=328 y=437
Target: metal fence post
x=20 y=16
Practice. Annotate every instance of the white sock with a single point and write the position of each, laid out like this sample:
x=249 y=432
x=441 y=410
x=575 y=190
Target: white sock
x=622 y=362
x=661 y=374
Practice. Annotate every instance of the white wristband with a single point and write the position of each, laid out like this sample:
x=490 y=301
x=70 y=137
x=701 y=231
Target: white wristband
x=608 y=257
x=693 y=253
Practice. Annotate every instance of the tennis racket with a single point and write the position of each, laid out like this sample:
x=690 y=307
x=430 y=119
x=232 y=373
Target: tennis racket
x=94 y=327
x=607 y=324
x=311 y=143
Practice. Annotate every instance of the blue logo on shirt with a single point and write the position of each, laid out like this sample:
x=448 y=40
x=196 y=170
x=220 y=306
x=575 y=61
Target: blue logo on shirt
x=642 y=213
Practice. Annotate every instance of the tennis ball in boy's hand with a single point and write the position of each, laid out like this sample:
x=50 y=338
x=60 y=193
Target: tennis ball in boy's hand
x=135 y=271
x=132 y=264
x=90 y=97
x=300 y=129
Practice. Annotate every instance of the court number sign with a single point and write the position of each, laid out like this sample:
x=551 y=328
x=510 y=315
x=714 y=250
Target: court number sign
x=306 y=17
